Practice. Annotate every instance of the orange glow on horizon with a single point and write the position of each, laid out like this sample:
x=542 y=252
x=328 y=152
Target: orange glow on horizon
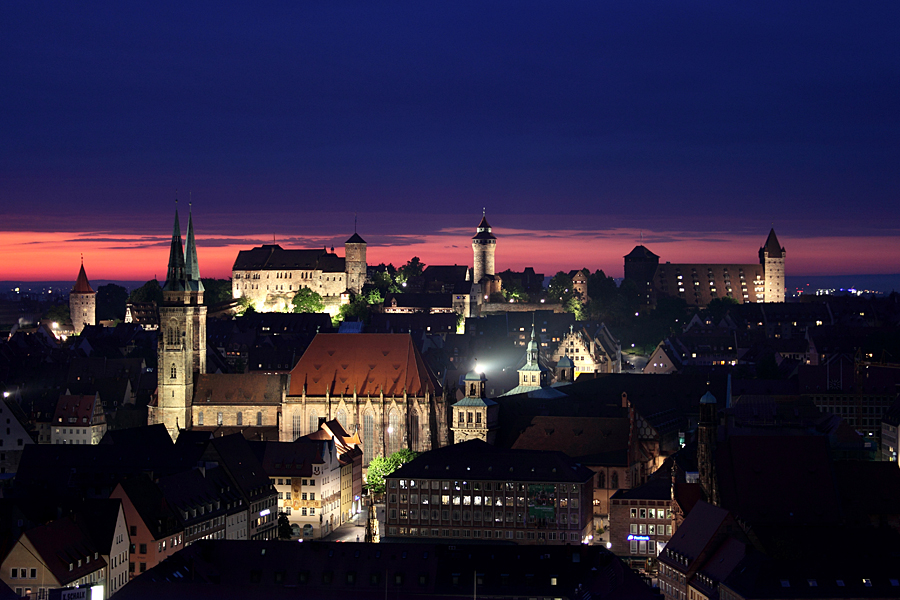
x=42 y=256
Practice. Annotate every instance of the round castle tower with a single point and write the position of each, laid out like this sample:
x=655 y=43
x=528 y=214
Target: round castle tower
x=483 y=245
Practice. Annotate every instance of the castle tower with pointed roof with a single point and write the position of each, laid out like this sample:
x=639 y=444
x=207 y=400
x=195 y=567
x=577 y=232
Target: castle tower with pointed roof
x=82 y=302
x=181 y=348
x=771 y=257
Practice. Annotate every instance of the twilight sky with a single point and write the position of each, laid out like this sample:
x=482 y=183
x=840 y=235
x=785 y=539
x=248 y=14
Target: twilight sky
x=578 y=126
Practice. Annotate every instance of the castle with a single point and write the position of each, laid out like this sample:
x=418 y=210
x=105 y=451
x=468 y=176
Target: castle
x=270 y=276
x=699 y=284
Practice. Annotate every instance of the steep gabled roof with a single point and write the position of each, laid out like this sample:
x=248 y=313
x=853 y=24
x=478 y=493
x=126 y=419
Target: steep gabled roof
x=355 y=239
x=62 y=543
x=368 y=364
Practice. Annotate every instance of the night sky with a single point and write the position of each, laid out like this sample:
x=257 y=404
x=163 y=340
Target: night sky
x=577 y=126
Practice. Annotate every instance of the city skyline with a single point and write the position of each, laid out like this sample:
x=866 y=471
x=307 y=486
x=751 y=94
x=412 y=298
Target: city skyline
x=581 y=129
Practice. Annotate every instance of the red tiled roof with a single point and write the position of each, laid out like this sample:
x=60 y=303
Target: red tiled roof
x=366 y=363
x=80 y=408
x=256 y=389
x=62 y=543
x=82 y=285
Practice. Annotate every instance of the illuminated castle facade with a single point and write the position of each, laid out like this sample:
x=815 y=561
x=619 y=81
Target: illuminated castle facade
x=699 y=284
x=270 y=276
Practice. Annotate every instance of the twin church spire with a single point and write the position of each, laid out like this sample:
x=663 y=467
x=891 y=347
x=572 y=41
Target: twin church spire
x=183 y=273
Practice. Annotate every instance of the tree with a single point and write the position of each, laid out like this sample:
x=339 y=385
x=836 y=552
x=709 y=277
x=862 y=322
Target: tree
x=244 y=307
x=111 y=299
x=216 y=291
x=374 y=297
x=307 y=301
x=718 y=307
x=413 y=268
x=356 y=310
x=58 y=313
x=380 y=467
x=512 y=290
x=284 y=527
x=560 y=288
x=149 y=292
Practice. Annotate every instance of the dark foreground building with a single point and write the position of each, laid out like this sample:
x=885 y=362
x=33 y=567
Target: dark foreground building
x=248 y=569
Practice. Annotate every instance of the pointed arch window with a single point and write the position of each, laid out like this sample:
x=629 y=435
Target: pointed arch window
x=342 y=417
x=394 y=432
x=614 y=481
x=173 y=372
x=259 y=419
x=297 y=425
x=368 y=437
x=313 y=421
x=601 y=480
x=240 y=418
x=414 y=430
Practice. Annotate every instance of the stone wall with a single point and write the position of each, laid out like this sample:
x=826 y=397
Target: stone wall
x=502 y=307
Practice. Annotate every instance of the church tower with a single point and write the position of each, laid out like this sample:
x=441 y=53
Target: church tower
x=475 y=417
x=533 y=373
x=355 y=262
x=483 y=245
x=181 y=346
x=82 y=302
x=771 y=257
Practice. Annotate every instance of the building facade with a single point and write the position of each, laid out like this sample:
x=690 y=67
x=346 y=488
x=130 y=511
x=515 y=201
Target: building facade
x=475 y=491
x=375 y=385
x=598 y=353
x=270 y=276
x=698 y=284
x=78 y=420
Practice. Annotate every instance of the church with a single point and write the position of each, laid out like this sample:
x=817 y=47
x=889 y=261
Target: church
x=377 y=385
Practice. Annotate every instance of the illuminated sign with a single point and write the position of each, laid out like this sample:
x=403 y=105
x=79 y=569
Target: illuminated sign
x=263 y=513
x=639 y=538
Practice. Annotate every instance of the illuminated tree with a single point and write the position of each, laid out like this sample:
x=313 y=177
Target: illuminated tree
x=308 y=301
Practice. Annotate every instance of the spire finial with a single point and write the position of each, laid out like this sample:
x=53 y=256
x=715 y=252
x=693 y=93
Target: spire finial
x=483 y=211
x=82 y=259
x=642 y=237
x=355 y=215
x=190 y=200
